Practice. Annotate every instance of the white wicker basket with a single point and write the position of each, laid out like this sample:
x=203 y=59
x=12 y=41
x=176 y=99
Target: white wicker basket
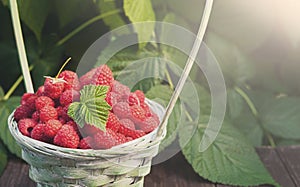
x=122 y=165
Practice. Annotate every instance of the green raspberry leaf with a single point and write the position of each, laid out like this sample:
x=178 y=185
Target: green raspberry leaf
x=92 y=108
x=230 y=159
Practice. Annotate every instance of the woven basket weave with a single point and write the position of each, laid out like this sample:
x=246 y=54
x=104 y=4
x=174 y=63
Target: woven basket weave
x=122 y=165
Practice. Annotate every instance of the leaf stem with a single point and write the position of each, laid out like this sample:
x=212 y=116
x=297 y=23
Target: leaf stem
x=247 y=99
x=255 y=113
x=85 y=24
x=14 y=86
x=63 y=66
x=169 y=79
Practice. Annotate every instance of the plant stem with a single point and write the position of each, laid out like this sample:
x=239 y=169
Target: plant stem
x=15 y=85
x=247 y=99
x=169 y=79
x=255 y=113
x=87 y=23
x=63 y=66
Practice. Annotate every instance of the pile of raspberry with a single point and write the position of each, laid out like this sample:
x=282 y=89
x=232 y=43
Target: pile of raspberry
x=44 y=115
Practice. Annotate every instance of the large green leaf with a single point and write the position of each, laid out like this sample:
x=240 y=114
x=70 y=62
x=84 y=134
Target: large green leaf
x=247 y=124
x=3 y=158
x=281 y=117
x=34 y=14
x=6 y=108
x=141 y=11
x=113 y=21
x=92 y=108
x=229 y=160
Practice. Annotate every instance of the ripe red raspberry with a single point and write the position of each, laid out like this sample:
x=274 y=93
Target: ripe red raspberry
x=66 y=137
x=22 y=112
x=38 y=133
x=112 y=98
x=69 y=96
x=148 y=125
x=120 y=89
x=89 y=130
x=147 y=109
x=140 y=95
x=130 y=132
x=43 y=101
x=120 y=138
x=113 y=122
x=104 y=140
x=74 y=125
x=36 y=116
x=138 y=114
x=40 y=91
x=26 y=125
x=25 y=97
x=86 y=79
x=47 y=113
x=71 y=78
x=28 y=99
x=103 y=76
x=52 y=127
x=133 y=99
x=127 y=123
x=62 y=113
x=121 y=110
x=53 y=88
x=86 y=143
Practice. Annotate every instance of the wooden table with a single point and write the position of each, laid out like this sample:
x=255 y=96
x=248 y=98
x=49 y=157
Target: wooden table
x=282 y=162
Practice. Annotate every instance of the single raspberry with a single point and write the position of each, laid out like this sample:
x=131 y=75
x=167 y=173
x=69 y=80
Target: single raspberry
x=147 y=109
x=148 y=125
x=67 y=137
x=38 y=133
x=86 y=79
x=71 y=78
x=26 y=125
x=120 y=138
x=40 y=91
x=119 y=88
x=113 y=122
x=86 y=143
x=112 y=98
x=130 y=132
x=43 y=101
x=138 y=114
x=89 y=130
x=74 y=125
x=133 y=99
x=127 y=123
x=22 y=112
x=140 y=94
x=121 y=110
x=52 y=127
x=36 y=116
x=103 y=76
x=104 y=140
x=53 y=87
x=30 y=102
x=69 y=96
x=25 y=97
x=47 y=113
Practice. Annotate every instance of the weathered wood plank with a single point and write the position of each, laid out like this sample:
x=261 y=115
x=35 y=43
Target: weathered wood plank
x=290 y=156
x=16 y=175
x=175 y=172
x=275 y=166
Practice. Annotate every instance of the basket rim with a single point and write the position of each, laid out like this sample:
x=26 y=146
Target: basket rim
x=143 y=142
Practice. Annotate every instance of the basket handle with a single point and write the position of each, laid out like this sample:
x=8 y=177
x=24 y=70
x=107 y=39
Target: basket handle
x=188 y=66
x=21 y=46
